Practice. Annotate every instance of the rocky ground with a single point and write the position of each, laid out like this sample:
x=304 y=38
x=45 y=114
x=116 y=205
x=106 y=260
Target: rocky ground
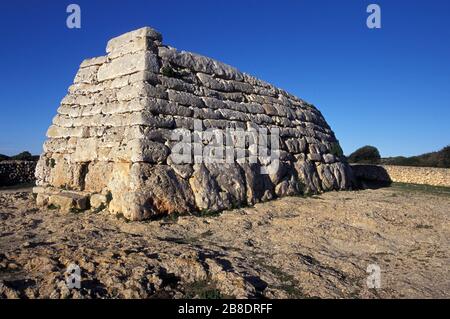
x=294 y=247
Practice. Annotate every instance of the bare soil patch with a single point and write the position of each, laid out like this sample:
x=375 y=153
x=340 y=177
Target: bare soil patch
x=293 y=247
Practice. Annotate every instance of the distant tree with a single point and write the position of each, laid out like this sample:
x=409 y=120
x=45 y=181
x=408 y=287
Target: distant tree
x=3 y=157
x=433 y=159
x=366 y=154
x=24 y=156
x=443 y=158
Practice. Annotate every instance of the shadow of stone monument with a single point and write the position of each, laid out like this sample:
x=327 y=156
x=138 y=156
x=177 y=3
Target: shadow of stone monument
x=371 y=176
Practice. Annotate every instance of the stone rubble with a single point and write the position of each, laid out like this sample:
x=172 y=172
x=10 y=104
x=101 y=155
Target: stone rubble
x=111 y=137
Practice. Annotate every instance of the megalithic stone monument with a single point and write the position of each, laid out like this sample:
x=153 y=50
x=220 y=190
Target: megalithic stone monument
x=148 y=130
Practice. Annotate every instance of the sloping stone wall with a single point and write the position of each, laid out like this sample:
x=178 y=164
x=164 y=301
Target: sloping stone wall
x=113 y=134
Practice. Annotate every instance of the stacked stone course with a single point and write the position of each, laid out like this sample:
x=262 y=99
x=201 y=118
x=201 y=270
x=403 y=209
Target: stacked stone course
x=110 y=142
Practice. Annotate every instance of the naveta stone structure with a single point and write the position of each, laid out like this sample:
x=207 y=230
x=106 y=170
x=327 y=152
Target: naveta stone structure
x=110 y=144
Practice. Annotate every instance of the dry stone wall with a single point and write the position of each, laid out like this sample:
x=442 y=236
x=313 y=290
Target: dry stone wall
x=403 y=174
x=14 y=172
x=111 y=143
x=419 y=175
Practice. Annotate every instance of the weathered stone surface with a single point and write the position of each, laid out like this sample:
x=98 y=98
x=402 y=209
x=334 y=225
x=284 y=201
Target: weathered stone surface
x=200 y=63
x=120 y=122
x=259 y=187
x=98 y=201
x=308 y=176
x=67 y=202
x=139 y=61
x=133 y=36
x=159 y=190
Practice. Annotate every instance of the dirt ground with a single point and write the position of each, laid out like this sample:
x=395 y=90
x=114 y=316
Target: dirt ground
x=295 y=247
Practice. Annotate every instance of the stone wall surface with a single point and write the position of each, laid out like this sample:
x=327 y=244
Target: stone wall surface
x=17 y=172
x=403 y=174
x=419 y=175
x=111 y=143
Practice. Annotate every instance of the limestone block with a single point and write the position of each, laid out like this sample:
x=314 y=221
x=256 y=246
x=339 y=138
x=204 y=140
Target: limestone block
x=160 y=106
x=97 y=61
x=78 y=100
x=214 y=103
x=159 y=190
x=41 y=199
x=98 y=176
x=343 y=174
x=68 y=202
x=58 y=145
x=147 y=119
x=71 y=111
x=145 y=150
x=232 y=96
x=185 y=98
x=127 y=64
x=85 y=151
x=281 y=121
x=206 y=192
x=98 y=201
x=144 y=76
x=254 y=108
x=205 y=113
x=290 y=186
x=329 y=158
x=235 y=106
x=176 y=84
x=199 y=63
x=87 y=75
x=230 y=181
x=86 y=88
x=90 y=110
x=63 y=132
x=327 y=177
x=132 y=36
x=138 y=44
x=259 y=186
x=295 y=145
x=307 y=174
x=233 y=115
x=185 y=123
x=242 y=87
x=63 y=121
x=215 y=84
x=119 y=186
x=314 y=157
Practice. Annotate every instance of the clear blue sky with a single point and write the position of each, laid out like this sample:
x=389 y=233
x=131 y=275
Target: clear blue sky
x=388 y=87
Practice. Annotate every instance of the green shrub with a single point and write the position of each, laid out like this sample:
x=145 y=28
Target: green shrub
x=168 y=71
x=366 y=154
x=433 y=159
x=336 y=149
